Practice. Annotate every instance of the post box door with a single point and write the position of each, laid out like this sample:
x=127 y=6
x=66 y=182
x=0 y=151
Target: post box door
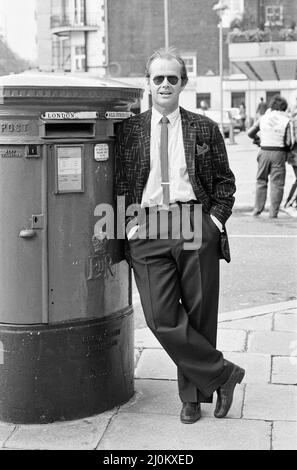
x=23 y=289
x=82 y=280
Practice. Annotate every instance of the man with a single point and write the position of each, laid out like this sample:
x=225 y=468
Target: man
x=261 y=109
x=179 y=287
x=275 y=132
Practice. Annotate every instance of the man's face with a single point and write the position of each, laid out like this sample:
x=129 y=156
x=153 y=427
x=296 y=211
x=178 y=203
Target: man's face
x=165 y=95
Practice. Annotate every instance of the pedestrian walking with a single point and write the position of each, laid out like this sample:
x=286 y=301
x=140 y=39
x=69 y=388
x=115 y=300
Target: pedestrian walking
x=261 y=108
x=293 y=110
x=242 y=113
x=168 y=158
x=274 y=131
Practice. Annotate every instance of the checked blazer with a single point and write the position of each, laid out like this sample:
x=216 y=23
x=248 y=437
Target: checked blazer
x=206 y=158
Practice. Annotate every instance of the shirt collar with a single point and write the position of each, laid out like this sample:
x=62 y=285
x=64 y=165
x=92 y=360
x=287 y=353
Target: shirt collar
x=172 y=117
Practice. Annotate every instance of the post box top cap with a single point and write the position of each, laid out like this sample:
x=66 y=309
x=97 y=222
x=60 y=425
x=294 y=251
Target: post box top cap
x=60 y=80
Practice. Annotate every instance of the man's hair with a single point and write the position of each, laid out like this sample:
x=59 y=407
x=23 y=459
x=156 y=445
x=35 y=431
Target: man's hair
x=168 y=53
x=278 y=103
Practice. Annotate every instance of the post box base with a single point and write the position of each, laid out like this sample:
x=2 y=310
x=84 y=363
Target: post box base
x=66 y=371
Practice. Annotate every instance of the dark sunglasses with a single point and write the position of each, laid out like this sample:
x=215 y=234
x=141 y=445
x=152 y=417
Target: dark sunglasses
x=172 y=79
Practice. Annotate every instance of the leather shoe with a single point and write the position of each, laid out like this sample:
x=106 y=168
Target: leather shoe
x=225 y=392
x=190 y=413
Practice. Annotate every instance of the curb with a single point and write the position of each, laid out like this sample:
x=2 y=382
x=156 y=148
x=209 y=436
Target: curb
x=246 y=312
x=257 y=311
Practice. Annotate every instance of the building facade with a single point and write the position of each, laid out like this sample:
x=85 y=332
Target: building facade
x=115 y=37
x=71 y=35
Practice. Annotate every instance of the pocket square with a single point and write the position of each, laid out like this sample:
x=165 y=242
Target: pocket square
x=201 y=149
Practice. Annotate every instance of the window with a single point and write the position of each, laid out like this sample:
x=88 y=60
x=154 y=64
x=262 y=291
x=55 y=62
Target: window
x=237 y=97
x=61 y=53
x=191 y=64
x=80 y=58
x=274 y=15
x=270 y=94
x=78 y=11
x=203 y=97
x=74 y=11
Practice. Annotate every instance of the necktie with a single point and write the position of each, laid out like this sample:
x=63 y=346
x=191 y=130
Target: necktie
x=164 y=160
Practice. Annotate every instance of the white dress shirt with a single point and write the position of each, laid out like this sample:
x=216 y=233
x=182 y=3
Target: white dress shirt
x=180 y=186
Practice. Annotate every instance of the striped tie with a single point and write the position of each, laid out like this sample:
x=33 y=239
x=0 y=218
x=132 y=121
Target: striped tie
x=164 y=161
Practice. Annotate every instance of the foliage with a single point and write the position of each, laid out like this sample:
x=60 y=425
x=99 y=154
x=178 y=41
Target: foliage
x=258 y=35
x=11 y=62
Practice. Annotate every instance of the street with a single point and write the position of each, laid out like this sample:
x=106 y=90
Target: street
x=263 y=266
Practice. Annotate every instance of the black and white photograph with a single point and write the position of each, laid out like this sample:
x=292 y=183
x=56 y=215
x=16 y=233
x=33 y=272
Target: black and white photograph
x=148 y=228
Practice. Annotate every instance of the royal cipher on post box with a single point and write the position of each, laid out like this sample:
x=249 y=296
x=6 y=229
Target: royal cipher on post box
x=66 y=318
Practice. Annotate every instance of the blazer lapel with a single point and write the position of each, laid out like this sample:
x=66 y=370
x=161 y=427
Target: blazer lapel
x=191 y=132
x=189 y=137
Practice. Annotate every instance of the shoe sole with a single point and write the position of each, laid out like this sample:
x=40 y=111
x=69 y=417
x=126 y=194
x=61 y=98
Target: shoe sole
x=189 y=422
x=240 y=375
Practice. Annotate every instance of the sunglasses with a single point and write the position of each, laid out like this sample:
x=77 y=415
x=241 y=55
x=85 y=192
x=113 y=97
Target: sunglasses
x=172 y=79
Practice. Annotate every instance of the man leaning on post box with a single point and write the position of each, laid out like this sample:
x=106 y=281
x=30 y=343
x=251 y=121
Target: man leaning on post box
x=167 y=158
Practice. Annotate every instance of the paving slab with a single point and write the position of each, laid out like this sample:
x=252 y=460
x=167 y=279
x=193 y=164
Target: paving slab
x=81 y=434
x=284 y=370
x=257 y=366
x=155 y=364
x=144 y=338
x=285 y=322
x=271 y=342
x=284 y=435
x=161 y=397
x=263 y=322
x=231 y=340
x=141 y=431
x=270 y=402
x=5 y=431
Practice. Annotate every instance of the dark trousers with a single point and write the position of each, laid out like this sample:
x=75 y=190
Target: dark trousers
x=270 y=163
x=179 y=294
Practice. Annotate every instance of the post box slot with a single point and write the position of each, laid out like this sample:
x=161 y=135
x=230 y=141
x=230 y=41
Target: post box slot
x=62 y=130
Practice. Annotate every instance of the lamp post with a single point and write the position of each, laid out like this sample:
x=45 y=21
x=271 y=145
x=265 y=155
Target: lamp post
x=220 y=7
x=166 y=26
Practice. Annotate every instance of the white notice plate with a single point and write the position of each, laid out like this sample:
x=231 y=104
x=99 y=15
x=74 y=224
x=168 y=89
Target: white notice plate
x=118 y=114
x=69 y=169
x=101 y=152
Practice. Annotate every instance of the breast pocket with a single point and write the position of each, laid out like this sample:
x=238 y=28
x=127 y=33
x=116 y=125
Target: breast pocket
x=202 y=157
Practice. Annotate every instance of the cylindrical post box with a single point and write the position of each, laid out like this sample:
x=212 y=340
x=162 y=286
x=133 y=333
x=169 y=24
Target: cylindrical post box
x=66 y=319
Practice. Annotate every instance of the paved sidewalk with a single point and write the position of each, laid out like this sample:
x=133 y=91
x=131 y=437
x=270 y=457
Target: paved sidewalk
x=263 y=415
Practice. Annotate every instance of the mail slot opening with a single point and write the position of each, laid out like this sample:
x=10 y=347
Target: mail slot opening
x=60 y=130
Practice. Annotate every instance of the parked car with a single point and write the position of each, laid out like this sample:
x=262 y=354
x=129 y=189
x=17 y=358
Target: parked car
x=236 y=118
x=230 y=117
